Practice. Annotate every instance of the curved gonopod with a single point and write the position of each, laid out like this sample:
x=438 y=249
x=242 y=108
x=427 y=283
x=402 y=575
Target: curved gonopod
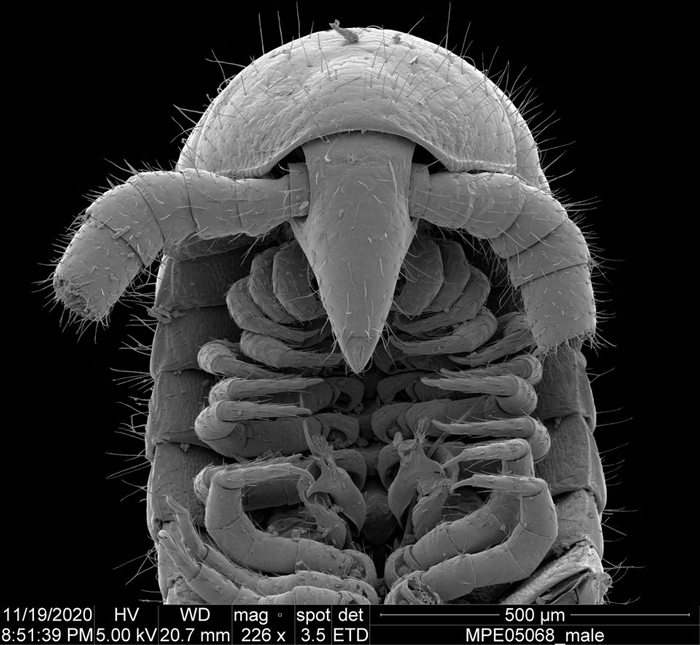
x=335 y=482
x=238 y=539
x=513 y=559
x=200 y=554
x=477 y=530
x=218 y=586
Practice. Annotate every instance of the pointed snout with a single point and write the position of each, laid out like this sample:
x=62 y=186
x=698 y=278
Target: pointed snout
x=357 y=232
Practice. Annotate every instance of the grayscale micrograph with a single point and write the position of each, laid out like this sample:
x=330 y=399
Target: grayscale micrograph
x=348 y=312
x=365 y=273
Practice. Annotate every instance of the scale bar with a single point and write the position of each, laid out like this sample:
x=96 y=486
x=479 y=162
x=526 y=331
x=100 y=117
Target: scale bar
x=430 y=615
x=602 y=614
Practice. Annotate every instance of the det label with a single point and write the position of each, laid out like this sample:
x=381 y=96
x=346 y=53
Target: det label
x=332 y=625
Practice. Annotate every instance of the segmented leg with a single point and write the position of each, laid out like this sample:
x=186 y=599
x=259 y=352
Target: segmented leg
x=247 y=315
x=457 y=272
x=512 y=560
x=262 y=290
x=463 y=308
x=216 y=588
x=423 y=277
x=238 y=539
x=482 y=527
x=291 y=279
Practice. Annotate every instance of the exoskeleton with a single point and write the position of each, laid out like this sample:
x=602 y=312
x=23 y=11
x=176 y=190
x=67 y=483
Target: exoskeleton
x=368 y=383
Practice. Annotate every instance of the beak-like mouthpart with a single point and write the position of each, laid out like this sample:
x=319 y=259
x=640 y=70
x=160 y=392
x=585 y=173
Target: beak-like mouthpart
x=357 y=232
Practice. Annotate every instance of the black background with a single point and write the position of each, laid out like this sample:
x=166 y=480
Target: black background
x=92 y=92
